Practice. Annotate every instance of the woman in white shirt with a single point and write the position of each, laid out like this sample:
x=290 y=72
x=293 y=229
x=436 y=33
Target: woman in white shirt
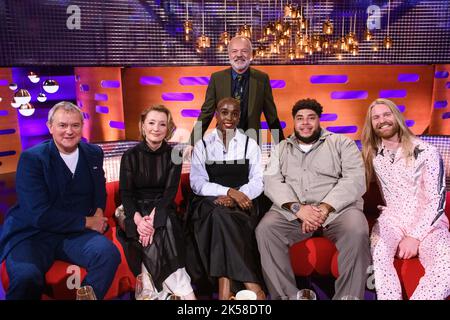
x=226 y=176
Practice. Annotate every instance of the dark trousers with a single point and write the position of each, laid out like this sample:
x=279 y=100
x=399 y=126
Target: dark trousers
x=28 y=262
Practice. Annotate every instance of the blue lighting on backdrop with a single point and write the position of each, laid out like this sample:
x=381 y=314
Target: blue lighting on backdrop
x=34 y=129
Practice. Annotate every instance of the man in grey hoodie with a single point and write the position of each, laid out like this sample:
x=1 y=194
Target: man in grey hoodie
x=315 y=179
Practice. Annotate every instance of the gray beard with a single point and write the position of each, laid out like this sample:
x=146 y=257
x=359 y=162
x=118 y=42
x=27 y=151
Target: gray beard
x=241 y=70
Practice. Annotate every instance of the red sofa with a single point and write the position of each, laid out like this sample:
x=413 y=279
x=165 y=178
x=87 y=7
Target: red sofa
x=316 y=255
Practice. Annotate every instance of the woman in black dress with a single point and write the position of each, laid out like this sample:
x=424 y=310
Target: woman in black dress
x=226 y=176
x=150 y=230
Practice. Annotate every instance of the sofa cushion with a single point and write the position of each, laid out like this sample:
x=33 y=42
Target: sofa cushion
x=409 y=272
x=184 y=193
x=112 y=198
x=312 y=255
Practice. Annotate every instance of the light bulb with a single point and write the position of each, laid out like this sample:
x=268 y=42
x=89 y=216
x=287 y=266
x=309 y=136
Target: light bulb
x=15 y=104
x=26 y=109
x=50 y=86
x=33 y=77
x=42 y=97
x=22 y=96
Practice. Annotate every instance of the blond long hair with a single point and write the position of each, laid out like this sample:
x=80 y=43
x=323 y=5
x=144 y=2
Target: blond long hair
x=159 y=108
x=371 y=142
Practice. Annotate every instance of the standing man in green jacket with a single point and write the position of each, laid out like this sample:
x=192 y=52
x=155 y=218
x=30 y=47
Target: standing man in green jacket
x=315 y=180
x=250 y=86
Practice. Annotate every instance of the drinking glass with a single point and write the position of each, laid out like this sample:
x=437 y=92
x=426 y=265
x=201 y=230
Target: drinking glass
x=86 y=293
x=145 y=288
x=306 y=294
x=245 y=295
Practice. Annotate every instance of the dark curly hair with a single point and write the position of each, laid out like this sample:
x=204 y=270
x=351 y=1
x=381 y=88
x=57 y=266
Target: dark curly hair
x=311 y=104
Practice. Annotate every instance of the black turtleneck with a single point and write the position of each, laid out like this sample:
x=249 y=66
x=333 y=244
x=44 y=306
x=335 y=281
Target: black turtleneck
x=148 y=174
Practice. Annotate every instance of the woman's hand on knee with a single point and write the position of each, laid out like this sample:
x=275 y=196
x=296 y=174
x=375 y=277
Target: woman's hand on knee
x=244 y=202
x=225 y=201
x=145 y=228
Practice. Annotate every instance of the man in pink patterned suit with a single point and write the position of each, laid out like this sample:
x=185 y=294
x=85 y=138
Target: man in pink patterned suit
x=410 y=173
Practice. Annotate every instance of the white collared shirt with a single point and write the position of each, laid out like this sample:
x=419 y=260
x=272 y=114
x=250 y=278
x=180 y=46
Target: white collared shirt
x=71 y=160
x=216 y=151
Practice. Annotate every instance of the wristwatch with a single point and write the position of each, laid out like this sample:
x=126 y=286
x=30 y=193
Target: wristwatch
x=295 y=207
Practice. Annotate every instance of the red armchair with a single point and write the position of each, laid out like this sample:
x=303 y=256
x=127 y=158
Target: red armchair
x=312 y=256
x=57 y=275
x=319 y=255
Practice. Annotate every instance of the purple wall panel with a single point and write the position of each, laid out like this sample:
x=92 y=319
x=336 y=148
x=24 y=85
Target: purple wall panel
x=177 y=96
x=401 y=108
x=117 y=125
x=328 y=117
x=264 y=125
x=7 y=153
x=389 y=94
x=408 y=77
x=441 y=74
x=356 y=94
x=150 y=81
x=84 y=87
x=7 y=131
x=440 y=104
x=194 y=81
x=277 y=84
x=110 y=84
x=101 y=109
x=343 y=129
x=101 y=97
x=190 y=113
x=410 y=123
x=337 y=78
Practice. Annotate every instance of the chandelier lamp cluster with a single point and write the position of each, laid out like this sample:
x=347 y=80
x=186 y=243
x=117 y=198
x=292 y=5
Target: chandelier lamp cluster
x=295 y=30
x=22 y=97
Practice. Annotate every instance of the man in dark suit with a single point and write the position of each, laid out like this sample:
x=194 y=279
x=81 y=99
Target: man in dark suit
x=59 y=215
x=250 y=86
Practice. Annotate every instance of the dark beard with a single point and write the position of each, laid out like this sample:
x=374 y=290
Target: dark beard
x=310 y=139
